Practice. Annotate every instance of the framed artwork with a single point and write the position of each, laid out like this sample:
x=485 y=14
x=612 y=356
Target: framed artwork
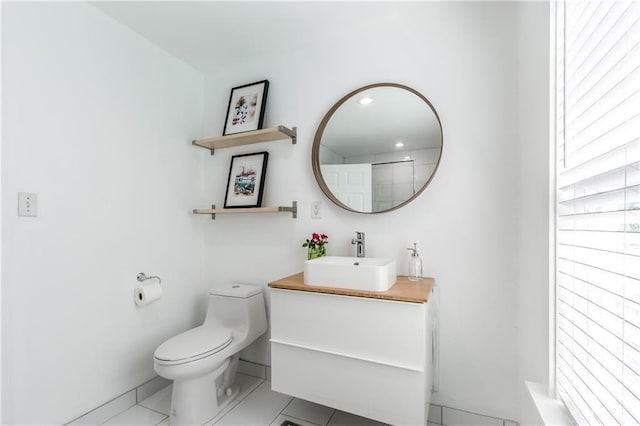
x=246 y=108
x=246 y=180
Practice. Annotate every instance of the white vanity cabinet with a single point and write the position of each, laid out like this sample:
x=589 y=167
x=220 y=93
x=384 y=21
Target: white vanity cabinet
x=367 y=356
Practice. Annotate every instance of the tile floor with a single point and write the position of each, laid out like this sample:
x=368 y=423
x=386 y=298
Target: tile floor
x=256 y=405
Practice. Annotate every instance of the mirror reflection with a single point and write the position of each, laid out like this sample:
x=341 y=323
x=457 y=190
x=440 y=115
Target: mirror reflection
x=377 y=148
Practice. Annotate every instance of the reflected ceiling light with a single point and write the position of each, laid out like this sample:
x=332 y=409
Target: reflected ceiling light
x=365 y=101
x=407 y=158
x=399 y=144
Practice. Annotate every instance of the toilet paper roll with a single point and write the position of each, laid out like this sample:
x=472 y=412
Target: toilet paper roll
x=147 y=293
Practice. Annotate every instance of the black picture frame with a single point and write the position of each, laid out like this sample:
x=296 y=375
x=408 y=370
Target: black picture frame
x=246 y=108
x=245 y=185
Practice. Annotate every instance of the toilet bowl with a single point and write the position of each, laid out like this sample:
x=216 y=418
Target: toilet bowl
x=202 y=362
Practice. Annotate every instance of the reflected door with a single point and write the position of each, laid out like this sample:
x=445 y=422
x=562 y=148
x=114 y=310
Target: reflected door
x=350 y=183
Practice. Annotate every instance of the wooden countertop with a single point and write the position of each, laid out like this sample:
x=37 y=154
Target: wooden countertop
x=403 y=290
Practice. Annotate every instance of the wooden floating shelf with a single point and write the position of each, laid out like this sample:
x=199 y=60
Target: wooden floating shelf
x=213 y=211
x=246 y=138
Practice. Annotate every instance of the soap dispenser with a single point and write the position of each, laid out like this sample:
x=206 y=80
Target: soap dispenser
x=415 y=263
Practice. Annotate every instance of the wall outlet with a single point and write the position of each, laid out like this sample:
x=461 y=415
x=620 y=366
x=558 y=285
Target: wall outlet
x=27 y=204
x=315 y=210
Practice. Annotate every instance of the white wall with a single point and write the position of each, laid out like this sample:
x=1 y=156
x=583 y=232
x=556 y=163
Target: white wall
x=533 y=209
x=1 y=257
x=463 y=58
x=98 y=122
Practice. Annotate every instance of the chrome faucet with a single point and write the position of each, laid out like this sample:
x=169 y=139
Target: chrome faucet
x=359 y=242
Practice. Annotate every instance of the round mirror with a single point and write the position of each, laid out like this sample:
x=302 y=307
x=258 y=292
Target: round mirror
x=377 y=148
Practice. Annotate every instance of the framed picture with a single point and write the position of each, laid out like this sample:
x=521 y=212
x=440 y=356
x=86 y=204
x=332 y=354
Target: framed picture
x=246 y=108
x=246 y=180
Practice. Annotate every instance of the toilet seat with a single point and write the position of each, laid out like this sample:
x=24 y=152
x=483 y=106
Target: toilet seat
x=193 y=345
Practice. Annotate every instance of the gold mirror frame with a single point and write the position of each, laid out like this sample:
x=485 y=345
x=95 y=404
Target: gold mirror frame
x=315 y=151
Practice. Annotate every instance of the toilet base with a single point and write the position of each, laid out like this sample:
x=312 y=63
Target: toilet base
x=197 y=400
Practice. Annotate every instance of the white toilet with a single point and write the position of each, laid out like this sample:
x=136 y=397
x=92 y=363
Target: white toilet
x=202 y=362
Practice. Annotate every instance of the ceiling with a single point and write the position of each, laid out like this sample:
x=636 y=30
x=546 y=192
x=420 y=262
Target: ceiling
x=394 y=115
x=211 y=34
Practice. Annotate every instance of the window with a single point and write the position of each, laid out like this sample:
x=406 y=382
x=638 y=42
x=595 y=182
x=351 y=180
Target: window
x=598 y=210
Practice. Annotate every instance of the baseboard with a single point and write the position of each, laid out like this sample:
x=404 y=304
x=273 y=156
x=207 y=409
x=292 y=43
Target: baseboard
x=132 y=397
x=438 y=414
x=253 y=369
x=448 y=416
x=121 y=403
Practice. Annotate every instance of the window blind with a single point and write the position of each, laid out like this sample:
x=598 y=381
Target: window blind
x=598 y=210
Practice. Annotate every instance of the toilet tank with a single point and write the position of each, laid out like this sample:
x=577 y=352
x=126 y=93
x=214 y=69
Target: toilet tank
x=239 y=307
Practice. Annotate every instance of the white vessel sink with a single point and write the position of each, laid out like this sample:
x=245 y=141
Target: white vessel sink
x=357 y=273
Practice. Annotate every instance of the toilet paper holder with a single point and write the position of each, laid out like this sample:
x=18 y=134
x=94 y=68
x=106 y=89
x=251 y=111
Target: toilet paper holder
x=141 y=277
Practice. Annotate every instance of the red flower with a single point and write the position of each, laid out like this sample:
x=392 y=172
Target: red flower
x=316 y=241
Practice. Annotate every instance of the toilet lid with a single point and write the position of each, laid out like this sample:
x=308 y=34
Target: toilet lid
x=194 y=343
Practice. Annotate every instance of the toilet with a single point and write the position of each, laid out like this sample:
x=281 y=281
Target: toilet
x=202 y=362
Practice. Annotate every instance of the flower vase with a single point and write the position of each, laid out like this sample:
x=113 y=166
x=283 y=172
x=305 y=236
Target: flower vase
x=315 y=252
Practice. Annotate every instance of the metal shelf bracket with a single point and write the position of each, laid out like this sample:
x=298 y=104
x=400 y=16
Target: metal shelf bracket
x=292 y=133
x=293 y=209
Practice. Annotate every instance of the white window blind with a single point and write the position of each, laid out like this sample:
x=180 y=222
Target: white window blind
x=598 y=210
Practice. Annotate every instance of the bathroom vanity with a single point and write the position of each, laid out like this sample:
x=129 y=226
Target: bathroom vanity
x=364 y=352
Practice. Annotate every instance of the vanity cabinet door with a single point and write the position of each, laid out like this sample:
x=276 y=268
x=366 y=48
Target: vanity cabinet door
x=361 y=355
